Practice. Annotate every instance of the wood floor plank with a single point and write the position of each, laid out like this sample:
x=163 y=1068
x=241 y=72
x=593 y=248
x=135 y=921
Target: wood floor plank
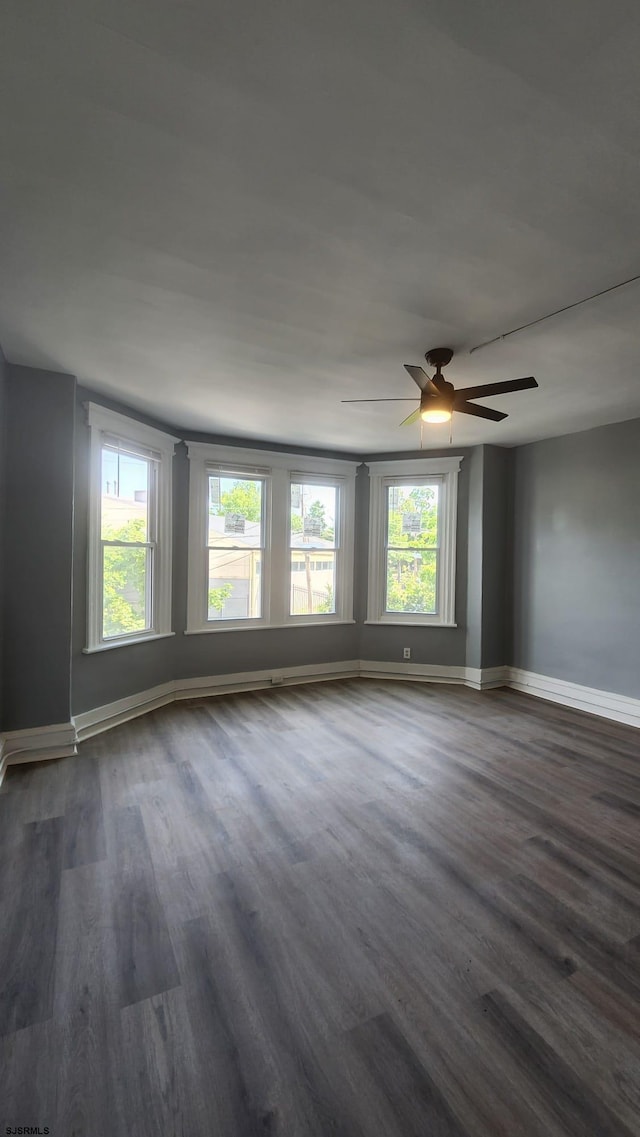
x=571 y=1099
x=417 y=1104
x=84 y=839
x=30 y=920
x=157 y=1041
x=146 y=962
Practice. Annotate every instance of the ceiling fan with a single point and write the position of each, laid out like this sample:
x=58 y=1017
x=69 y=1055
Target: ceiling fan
x=439 y=399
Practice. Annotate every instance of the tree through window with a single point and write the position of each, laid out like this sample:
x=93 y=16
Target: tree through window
x=128 y=530
x=411 y=574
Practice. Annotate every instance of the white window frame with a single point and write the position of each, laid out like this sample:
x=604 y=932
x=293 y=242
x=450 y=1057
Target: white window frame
x=444 y=471
x=105 y=426
x=278 y=469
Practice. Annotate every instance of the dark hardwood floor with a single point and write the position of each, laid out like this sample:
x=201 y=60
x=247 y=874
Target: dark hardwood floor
x=356 y=909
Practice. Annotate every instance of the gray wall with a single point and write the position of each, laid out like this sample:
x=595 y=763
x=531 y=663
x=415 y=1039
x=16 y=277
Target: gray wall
x=38 y=528
x=488 y=572
x=473 y=629
x=446 y=646
x=4 y=382
x=496 y=555
x=576 y=564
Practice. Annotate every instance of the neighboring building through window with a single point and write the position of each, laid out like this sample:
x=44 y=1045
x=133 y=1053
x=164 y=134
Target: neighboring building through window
x=412 y=541
x=276 y=531
x=129 y=562
x=235 y=545
x=312 y=547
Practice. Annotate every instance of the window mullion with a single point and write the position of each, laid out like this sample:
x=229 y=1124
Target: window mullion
x=277 y=579
x=127 y=544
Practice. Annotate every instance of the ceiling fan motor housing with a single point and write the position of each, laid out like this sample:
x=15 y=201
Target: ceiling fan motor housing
x=444 y=396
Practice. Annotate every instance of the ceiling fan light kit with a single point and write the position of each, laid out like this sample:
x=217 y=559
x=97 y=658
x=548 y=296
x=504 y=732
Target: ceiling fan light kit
x=436 y=413
x=439 y=398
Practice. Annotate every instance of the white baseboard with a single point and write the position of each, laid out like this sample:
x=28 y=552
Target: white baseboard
x=60 y=740
x=415 y=672
x=620 y=708
x=257 y=680
x=479 y=680
x=122 y=710
x=93 y=722
x=38 y=744
x=485 y=679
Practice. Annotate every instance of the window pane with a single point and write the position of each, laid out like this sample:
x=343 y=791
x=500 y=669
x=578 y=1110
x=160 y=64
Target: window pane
x=235 y=511
x=313 y=587
x=125 y=496
x=234 y=591
x=412 y=516
x=124 y=590
x=412 y=581
x=313 y=516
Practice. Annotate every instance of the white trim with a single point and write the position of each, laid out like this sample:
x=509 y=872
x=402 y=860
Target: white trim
x=103 y=421
x=39 y=743
x=200 y=457
x=344 y=547
x=129 y=429
x=262 y=461
x=413 y=623
x=423 y=467
x=125 y=642
x=383 y=474
x=95 y=721
x=416 y=672
x=3 y=761
x=254 y=626
x=479 y=680
x=620 y=708
x=272 y=677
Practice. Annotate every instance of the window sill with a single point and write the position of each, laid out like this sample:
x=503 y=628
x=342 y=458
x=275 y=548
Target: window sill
x=248 y=627
x=412 y=623
x=127 y=643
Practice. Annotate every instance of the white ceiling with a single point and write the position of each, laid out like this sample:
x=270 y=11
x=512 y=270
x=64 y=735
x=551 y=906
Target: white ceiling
x=234 y=214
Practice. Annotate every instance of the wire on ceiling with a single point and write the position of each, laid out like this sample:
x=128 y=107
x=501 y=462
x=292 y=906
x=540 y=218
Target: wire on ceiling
x=558 y=311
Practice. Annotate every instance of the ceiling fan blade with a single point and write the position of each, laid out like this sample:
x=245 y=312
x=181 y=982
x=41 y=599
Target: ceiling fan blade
x=497 y=388
x=418 y=374
x=413 y=417
x=479 y=412
x=377 y=400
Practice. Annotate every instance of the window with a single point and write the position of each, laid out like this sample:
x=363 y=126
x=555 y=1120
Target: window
x=129 y=555
x=312 y=530
x=269 y=545
x=412 y=541
x=236 y=547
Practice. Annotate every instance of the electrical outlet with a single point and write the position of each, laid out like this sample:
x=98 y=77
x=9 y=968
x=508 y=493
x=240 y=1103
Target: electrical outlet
x=406 y=653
